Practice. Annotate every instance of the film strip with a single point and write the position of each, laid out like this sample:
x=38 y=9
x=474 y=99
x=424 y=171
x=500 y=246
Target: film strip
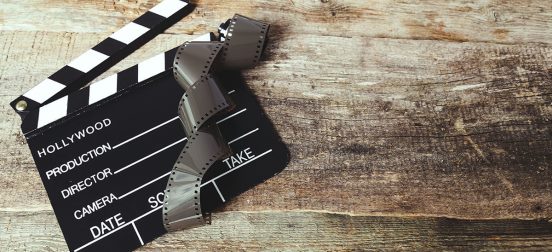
x=244 y=40
x=193 y=61
x=107 y=53
x=182 y=204
x=204 y=99
x=201 y=103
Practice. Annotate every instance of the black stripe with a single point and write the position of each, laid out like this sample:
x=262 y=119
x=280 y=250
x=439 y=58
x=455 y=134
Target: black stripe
x=75 y=79
x=30 y=122
x=67 y=75
x=109 y=46
x=169 y=58
x=78 y=100
x=149 y=19
x=127 y=78
x=30 y=104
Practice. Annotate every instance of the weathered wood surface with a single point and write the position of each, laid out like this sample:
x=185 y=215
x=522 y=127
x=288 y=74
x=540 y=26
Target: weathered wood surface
x=300 y=230
x=389 y=108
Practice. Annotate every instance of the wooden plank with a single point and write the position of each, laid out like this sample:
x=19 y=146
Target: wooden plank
x=293 y=230
x=401 y=127
x=389 y=121
x=520 y=21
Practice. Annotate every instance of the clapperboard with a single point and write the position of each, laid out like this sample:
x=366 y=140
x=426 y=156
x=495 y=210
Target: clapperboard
x=105 y=152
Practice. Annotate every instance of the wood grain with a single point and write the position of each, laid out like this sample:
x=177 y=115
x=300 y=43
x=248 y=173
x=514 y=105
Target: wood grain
x=291 y=230
x=393 y=111
x=519 y=21
x=407 y=127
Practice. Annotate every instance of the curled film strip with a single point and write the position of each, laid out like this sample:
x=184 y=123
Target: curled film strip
x=182 y=204
x=193 y=61
x=204 y=98
x=244 y=41
x=201 y=102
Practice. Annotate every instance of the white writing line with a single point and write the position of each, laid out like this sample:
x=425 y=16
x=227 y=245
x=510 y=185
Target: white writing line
x=155 y=209
x=168 y=173
x=244 y=135
x=137 y=233
x=152 y=129
x=117 y=229
x=187 y=218
x=145 y=132
x=144 y=185
x=150 y=155
x=164 y=175
x=220 y=194
x=232 y=115
x=235 y=168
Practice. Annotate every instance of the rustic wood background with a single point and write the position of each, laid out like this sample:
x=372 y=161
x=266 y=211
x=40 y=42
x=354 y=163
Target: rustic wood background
x=411 y=124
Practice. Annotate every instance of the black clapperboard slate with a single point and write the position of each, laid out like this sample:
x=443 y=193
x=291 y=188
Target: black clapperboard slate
x=119 y=138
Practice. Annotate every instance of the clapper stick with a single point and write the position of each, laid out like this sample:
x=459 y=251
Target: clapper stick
x=104 y=55
x=66 y=106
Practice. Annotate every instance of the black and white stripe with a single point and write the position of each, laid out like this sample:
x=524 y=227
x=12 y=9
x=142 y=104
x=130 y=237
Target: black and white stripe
x=99 y=91
x=102 y=56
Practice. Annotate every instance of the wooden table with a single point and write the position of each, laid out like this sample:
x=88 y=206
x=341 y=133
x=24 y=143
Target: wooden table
x=411 y=124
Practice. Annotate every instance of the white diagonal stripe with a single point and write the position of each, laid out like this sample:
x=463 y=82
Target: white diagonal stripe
x=150 y=155
x=145 y=132
x=244 y=135
x=129 y=33
x=117 y=229
x=151 y=67
x=219 y=193
x=144 y=185
x=237 y=167
x=44 y=90
x=88 y=60
x=103 y=89
x=232 y=115
x=205 y=38
x=168 y=7
x=138 y=234
x=52 y=111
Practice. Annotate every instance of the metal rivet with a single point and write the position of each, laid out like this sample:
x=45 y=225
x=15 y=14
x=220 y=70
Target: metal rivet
x=21 y=105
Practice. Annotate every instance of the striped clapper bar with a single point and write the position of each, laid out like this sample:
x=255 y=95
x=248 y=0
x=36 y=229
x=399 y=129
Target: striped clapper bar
x=106 y=152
